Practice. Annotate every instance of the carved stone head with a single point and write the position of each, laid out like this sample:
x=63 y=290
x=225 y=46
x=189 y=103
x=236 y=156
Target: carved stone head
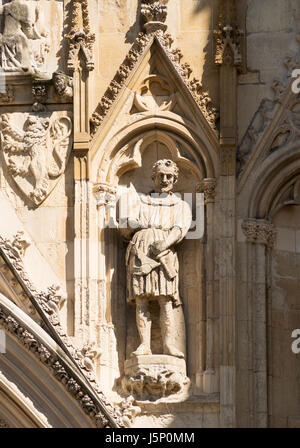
x=63 y=84
x=164 y=175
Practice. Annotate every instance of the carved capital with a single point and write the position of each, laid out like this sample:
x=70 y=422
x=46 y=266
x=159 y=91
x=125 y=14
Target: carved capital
x=154 y=13
x=208 y=187
x=105 y=194
x=259 y=231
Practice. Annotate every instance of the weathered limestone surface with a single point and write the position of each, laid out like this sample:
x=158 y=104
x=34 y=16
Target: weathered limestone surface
x=93 y=94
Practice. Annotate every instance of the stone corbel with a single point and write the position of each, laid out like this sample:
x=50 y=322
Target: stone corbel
x=208 y=187
x=259 y=231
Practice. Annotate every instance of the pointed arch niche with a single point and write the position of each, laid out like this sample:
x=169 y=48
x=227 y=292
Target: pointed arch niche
x=269 y=275
x=123 y=162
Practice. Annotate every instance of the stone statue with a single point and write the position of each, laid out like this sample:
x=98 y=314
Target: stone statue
x=159 y=221
x=21 y=19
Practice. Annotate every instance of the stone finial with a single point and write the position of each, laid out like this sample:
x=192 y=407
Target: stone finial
x=81 y=39
x=208 y=187
x=228 y=36
x=154 y=13
x=259 y=231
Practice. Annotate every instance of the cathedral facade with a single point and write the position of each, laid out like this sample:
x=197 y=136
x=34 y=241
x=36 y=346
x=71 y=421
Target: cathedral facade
x=150 y=213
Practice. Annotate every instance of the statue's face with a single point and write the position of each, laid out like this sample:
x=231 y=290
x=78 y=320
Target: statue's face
x=164 y=180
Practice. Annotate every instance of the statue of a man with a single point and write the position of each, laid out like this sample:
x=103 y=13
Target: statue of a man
x=159 y=221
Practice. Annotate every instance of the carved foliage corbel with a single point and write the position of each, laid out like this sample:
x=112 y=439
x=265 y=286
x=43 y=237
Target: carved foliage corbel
x=208 y=187
x=154 y=13
x=259 y=231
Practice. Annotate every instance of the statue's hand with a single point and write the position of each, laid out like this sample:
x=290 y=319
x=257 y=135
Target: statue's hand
x=158 y=246
x=134 y=223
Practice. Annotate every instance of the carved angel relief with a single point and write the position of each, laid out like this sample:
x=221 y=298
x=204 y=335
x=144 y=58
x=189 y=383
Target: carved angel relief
x=36 y=155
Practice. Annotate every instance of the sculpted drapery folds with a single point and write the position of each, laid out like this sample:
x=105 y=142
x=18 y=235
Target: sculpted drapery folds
x=21 y=27
x=158 y=222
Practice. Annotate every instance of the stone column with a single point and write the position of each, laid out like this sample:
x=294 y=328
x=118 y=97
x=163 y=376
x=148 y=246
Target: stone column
x=106 y=253
x=80 y=64
x=229 y=58
x=260 y=239
x=105 y=196
x=210 y=380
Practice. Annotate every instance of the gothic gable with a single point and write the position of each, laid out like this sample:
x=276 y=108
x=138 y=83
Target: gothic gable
x=152 y=60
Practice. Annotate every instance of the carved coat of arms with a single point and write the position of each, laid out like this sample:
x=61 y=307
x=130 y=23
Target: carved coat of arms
x=36 y=155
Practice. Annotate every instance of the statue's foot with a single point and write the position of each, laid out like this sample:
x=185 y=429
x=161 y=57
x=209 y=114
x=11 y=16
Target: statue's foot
x=142 y=349
x=172 y=351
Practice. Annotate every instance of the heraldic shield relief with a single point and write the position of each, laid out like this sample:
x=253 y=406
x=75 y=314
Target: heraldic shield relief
x=36 y=153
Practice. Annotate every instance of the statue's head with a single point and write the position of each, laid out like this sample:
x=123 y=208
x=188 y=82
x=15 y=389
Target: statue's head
x=60 y=81
x=164 y=175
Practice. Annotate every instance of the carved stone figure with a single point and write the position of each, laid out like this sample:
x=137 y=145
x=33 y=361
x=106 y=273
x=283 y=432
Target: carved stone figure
x=36 y=155
x=21 y=27
x=159 y=222
x=63 y=84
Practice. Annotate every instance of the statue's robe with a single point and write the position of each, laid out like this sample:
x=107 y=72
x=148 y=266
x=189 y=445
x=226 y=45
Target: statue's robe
x=148 y=275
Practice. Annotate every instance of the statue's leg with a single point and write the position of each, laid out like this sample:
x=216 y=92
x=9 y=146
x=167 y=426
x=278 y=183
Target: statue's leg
x=23 y=54
x=167 y=327
x=143 y=323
